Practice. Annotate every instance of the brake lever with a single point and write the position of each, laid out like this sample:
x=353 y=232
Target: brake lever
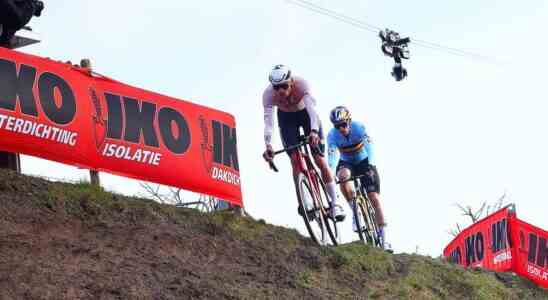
x=273 y=166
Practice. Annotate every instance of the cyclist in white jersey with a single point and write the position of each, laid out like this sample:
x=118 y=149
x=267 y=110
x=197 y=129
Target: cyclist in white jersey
x=296 y=108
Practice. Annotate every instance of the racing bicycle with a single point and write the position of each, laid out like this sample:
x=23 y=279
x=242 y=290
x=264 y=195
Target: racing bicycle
x=312 y=195
x=364 y=214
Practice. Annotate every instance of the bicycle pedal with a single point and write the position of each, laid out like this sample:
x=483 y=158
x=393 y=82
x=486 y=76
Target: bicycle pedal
x=311 y=214
x=362 y=230
x=339 y=218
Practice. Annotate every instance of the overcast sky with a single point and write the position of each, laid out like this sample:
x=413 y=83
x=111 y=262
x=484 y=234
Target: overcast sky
x=458 y=130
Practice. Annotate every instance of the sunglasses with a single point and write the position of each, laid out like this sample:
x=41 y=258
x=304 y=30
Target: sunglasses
x=341 y=125
x=283 y=86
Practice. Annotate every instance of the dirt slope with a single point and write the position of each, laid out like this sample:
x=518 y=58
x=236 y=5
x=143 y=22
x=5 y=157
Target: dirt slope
x=63 y=241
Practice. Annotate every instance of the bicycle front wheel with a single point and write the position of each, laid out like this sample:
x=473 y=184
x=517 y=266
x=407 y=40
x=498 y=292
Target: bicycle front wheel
x=361 y=219
x=330 y=223
x=311 y=212
x=371 y=217
x=372 y=220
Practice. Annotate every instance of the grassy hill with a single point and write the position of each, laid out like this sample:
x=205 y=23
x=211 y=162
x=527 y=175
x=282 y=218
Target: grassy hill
x=65 y=241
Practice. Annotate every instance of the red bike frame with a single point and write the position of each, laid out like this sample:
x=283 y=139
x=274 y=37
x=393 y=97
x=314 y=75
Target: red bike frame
x=303 y=163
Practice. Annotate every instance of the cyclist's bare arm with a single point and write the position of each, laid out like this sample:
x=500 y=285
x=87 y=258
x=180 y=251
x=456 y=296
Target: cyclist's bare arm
x=332 y=153
x=310 y=105
x=268 y=118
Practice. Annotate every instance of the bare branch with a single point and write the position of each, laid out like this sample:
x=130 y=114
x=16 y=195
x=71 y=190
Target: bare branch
x=463 y=210
x=467 y=212
x=485 y=210
x=175 y=195
x=205 y=203
x=153 y=191
x=479 y=212
x=178 y=196
x=500 y=201
x=455 y=231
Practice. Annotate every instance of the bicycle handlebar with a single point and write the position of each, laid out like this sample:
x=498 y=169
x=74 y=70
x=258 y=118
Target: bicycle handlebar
x=352 y=178
x=304 y=141
x=291 y=148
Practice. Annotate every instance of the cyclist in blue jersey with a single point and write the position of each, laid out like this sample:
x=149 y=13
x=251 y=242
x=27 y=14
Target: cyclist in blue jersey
x=350 y=139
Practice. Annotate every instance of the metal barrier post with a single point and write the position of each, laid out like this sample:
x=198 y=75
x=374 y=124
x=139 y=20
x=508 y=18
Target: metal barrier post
x=93 y=174
x=10 y=161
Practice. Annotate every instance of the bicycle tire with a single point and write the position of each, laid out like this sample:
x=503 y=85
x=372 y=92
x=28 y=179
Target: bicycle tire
x=359 y=210
x=331 y=225
x=304 y=189
x=373 y=220
x=371 y=217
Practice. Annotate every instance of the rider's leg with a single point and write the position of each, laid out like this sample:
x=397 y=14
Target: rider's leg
x=379 y=215
x=327 y=176
x=289 y=133
x=371 y=182
x=321 y=162
x=373 y=187
x=375 y=200
x=347 y=189
x=337 y=210
x=295 y=165
x=318 y=154
x=373 y=192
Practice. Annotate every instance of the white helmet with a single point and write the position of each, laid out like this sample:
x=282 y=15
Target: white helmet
x=279 y=74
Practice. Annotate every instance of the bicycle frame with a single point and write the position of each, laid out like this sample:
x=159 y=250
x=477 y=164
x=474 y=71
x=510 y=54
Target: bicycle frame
x=361 y=198
x=356 y=180
x=302 y=164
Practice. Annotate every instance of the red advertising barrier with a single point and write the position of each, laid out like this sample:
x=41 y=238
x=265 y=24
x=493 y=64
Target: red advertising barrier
x=485 y=244
x=501 y=242
x=62 y=113
x=531 y=247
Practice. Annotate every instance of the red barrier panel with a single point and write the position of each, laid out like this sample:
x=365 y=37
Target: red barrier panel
x=531 y=248
x=502 y=242
x=58 y=112
x=485 y=244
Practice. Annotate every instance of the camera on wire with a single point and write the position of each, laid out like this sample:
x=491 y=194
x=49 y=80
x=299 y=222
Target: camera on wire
x=397 y=48
x=15 y=15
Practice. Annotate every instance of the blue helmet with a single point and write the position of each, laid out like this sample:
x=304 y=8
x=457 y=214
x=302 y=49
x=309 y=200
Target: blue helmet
x=339 y=114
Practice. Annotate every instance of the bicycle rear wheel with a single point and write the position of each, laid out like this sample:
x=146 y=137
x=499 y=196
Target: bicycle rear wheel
x=313 y=219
